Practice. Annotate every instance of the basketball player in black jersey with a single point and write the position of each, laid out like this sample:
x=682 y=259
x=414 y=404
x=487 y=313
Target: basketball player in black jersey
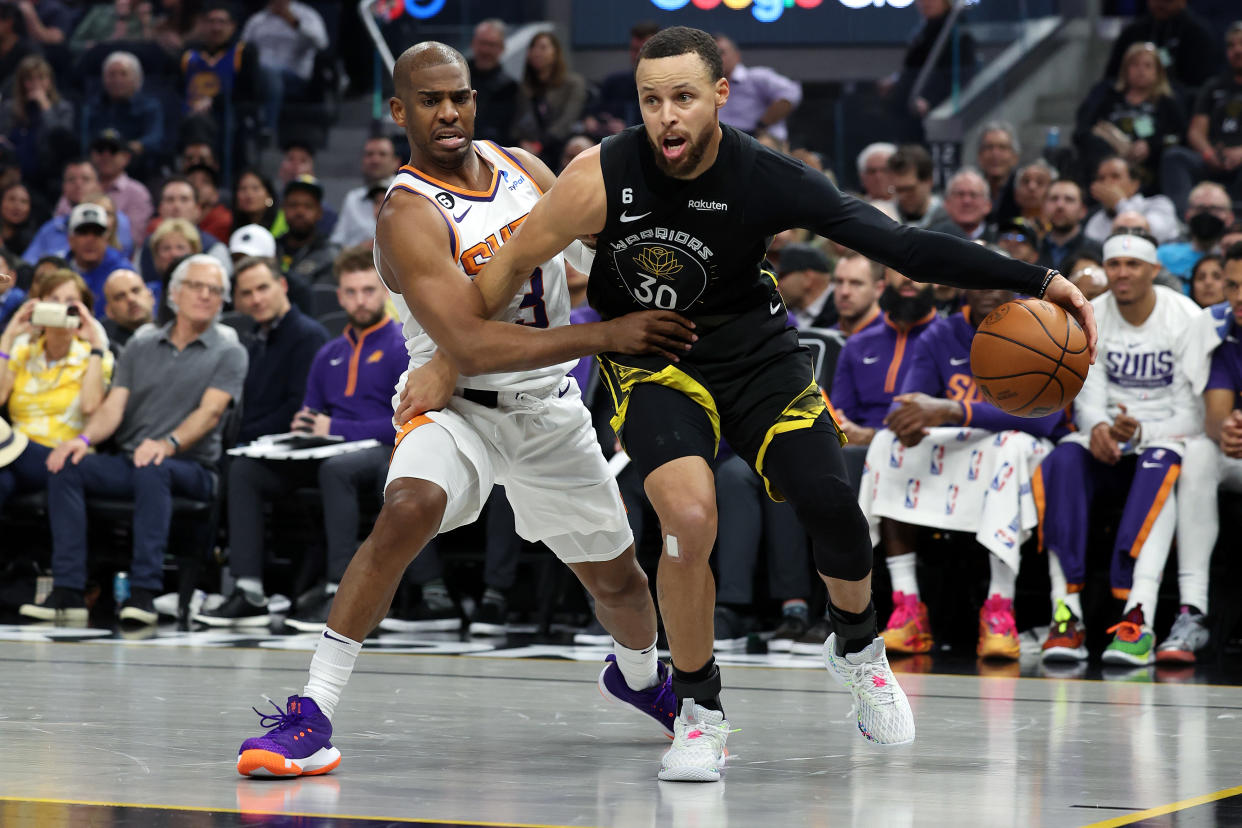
x=682 y=208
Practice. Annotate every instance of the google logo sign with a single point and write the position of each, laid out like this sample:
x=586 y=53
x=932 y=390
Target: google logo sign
x=769 y=11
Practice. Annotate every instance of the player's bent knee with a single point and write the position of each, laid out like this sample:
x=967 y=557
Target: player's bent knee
x=412 y=507
x=614 y=585
x=690 y=519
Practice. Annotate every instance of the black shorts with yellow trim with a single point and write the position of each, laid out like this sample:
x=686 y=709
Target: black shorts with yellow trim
x=749 y=375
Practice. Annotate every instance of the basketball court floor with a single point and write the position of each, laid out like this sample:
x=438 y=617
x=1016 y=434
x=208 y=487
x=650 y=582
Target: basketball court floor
x=100 y=729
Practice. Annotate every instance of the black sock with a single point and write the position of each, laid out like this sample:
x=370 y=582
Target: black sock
x=702 y=685
x=855 y=630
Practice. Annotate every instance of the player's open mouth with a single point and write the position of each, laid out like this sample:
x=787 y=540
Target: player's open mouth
x=450 y=140
x=673 y=146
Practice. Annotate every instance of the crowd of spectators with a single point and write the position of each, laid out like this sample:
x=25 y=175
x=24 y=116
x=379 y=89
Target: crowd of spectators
x=147 y=246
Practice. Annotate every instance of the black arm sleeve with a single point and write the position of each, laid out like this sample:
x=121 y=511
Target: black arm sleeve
x=811 y=201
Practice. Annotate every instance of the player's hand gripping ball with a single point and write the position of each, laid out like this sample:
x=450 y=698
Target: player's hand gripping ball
x=1029 y=358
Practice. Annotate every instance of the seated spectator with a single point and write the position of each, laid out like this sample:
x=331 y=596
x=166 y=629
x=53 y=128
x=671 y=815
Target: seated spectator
x=873 y=172
x=220 y=69
x=760 y=98
x=804 y=280
x=968 y=205
x=856 y=285
x=1065 y=240
x=1136 y=118
x=130 y=304
x=114 y=223
x=12 y=296
x=172 y=387
x=615 y=104
x=254 y=201
x=49 y=23
x=132 y=116
x=17 y=219
x=1116 y=188
x=217 y=219
x=281 y=345
x=14 y=47
x=1132 y=421
x=911 y=170
x=52 y=381
x=172 y=241
x=304 y=252
x=78 y=181
x=1018 y=241
x=496 y=91
x=1208 y=214
x=1131 y=221
x=1207 y=281
x=1030 y=190
x=1213 y=150
x=110 y=158
x=255 y=241
x=292 y=33
x=193 y=153
x=90 y=255
x=575 y=145
x=298 y=161
x=37 y=122
x=178 y=22
x=348 y=394
x=997 y=158
x=179 y=200
x=550 y=100
x=107 y=22
x=945 y=459
x=1185 y=43
x=356 y=223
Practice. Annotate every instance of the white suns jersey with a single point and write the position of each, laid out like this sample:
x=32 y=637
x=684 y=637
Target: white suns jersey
x=478 y=223
x=1149 y=368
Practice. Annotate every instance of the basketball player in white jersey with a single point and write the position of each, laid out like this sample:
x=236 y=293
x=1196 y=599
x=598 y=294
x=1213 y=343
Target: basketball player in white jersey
x=509 y=421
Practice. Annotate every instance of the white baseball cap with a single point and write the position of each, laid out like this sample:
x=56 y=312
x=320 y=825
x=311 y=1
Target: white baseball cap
x=253 y=240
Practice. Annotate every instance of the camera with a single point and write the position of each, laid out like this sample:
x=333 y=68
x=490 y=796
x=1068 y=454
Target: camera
x=54 y=315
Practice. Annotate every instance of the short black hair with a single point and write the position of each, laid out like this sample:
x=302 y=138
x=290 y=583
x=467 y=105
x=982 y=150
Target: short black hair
x=1132 y=169
x=213 y=175
x=682 y=40
x=1233 y=254
x=911 y=157
x=177 y=179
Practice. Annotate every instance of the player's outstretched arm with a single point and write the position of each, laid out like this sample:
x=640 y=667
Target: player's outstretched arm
x=415 y=257
x=575 y=205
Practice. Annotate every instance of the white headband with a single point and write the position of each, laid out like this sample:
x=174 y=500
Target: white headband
x=1130 y=247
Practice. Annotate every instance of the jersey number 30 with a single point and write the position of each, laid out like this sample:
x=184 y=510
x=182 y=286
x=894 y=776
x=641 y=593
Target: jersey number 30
x=663 y=297
x=532 y=310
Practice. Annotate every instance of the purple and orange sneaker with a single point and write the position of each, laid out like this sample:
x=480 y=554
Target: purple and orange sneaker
x=295 y=745
x=658 y=702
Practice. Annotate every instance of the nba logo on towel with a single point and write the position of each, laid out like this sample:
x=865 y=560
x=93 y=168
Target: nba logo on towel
x=976 y=460
x=1002 y=438
x=1006 y=538
x=912 y=494
x=963 y=434
x=937 y=459
x=896 y=455
x=1002 y=477
x=950 y=501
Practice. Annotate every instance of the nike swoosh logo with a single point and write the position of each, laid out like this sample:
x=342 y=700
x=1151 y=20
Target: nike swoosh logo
x=458 y=219
x=870 y=360
x=776 y=307
x=333 y=637
x=626 y=219
x=961 y=361
x=1152 y=466
x=336 y=361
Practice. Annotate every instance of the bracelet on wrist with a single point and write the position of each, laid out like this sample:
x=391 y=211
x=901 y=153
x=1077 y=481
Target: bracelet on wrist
x=176 y=444
x=1052 y=274
x=96 y=352
x=3 y=355
x=85 y=439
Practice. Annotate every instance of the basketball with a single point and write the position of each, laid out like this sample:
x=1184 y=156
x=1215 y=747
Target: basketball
x=1029 y=358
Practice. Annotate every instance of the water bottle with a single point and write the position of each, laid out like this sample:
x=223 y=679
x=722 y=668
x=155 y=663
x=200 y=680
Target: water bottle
x=120 y=588
x=1054 y=138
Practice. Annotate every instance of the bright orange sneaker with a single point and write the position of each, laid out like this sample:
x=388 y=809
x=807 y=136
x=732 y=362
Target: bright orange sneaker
x=908 y=630
x=998 y=633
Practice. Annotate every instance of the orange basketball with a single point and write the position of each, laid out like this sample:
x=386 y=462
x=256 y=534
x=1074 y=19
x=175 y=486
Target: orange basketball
x=1029 y=358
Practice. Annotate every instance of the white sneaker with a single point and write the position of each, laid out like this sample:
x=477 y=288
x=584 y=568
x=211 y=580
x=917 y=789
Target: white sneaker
x=883 y=711
x=698 y=751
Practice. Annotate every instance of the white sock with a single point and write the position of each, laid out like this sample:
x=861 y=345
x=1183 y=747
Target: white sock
x=1003 y=578
x=1197 y=529
x=901 y=571
x=253 y=587
x=638 y=667
x=330 y=669
x=1149 y=568
x=1060 y=591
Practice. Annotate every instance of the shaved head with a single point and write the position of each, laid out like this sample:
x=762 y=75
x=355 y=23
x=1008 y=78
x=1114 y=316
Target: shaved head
x=422 y=56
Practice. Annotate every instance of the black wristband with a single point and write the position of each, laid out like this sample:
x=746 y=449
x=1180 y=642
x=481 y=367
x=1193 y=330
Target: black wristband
x=1052 y=274
x=96 y=352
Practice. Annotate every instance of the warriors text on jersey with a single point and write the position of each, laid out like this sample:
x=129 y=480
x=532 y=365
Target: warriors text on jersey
x=479 y=222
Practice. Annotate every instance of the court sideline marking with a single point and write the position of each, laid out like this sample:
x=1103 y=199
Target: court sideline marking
x=1181 y=805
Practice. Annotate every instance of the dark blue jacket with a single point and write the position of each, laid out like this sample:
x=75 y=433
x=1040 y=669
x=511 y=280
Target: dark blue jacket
x=276 y=379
